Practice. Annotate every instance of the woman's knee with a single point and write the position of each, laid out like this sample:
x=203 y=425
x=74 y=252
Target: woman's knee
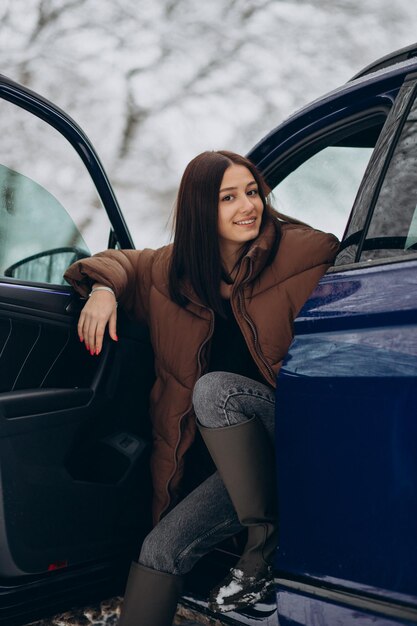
x=205 y=387
x=222 y=399
x=166 y=549
x=157 y=552
x=217 y=399
x=206 y=390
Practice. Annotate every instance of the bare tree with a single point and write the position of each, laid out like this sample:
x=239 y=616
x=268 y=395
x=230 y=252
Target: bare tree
x=155 y=82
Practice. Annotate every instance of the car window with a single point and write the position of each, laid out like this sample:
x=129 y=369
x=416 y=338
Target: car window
x=322 y=189
x=392 y=230
x=50 y=212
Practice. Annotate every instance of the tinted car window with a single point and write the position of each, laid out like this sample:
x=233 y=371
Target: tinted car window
x=393 y=228
x=50 y=213
x=326 y=173
x=322 y=190
x=37 y=236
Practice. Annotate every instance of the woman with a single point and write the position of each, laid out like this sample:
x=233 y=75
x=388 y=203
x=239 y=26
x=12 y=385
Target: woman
x=220 y=302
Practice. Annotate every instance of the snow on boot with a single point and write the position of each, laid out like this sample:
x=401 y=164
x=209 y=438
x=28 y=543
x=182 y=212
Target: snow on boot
x=238 y=590
x=244 y=457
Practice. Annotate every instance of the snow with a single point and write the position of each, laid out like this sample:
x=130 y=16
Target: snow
x=255 y=591
x=233 y=587
x=155 y=83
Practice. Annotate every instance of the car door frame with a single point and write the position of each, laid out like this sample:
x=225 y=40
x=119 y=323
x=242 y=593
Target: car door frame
x=68 y=128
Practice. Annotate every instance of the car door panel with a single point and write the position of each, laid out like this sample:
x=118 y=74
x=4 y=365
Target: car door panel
x=346 y=438
x=29 y=403
x=68 y=465
x=39 y=345
x=55 y=508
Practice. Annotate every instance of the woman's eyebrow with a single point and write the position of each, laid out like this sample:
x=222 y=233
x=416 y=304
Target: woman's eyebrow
x=252 y=182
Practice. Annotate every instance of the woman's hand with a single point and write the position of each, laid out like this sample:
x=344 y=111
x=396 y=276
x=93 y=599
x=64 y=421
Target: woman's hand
x=99 y=310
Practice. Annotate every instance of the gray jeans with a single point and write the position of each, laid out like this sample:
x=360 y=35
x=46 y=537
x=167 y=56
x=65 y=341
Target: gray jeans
x=206 y=516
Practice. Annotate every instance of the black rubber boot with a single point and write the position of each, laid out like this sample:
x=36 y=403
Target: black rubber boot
x=150 y=598
x=245 y=460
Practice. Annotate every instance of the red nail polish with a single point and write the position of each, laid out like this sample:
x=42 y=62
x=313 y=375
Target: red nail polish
x=81 y=339
x=91 y=352
x=117 y=338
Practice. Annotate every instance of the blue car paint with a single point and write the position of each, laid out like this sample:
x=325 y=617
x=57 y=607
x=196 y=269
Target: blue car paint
x=300 y=609
x=360 y=296
x=346 y=441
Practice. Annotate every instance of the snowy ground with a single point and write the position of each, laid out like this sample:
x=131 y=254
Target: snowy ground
x=107 y=614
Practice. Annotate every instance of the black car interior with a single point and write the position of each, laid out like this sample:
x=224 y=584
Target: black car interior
x=74 y=433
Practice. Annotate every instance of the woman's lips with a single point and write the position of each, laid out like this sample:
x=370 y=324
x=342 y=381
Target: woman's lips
x=247 y=222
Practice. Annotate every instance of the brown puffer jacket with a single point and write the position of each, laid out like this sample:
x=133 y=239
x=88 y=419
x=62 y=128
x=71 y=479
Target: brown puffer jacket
x=266 y=297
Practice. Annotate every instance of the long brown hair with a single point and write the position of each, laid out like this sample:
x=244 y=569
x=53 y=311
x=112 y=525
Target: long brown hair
x=196 y=250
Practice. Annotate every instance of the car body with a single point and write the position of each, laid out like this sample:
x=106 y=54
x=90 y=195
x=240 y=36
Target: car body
x=75 y=484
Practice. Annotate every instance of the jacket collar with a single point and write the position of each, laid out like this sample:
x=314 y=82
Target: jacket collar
x=259 y=252
x=253 y=261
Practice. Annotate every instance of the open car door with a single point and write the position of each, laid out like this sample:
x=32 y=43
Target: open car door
x=74 y=481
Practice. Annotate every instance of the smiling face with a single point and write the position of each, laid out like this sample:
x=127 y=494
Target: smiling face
x=240 y=210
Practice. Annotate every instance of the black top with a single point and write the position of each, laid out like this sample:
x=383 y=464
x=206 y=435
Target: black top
x=228 y=349
x=228 y=352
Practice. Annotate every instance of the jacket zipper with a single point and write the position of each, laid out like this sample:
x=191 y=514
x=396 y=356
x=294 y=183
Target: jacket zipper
x=252 y=327
x=200 y=350
x=255 y=337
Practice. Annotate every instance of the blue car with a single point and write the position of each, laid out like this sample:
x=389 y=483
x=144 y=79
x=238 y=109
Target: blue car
x=74 y=478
